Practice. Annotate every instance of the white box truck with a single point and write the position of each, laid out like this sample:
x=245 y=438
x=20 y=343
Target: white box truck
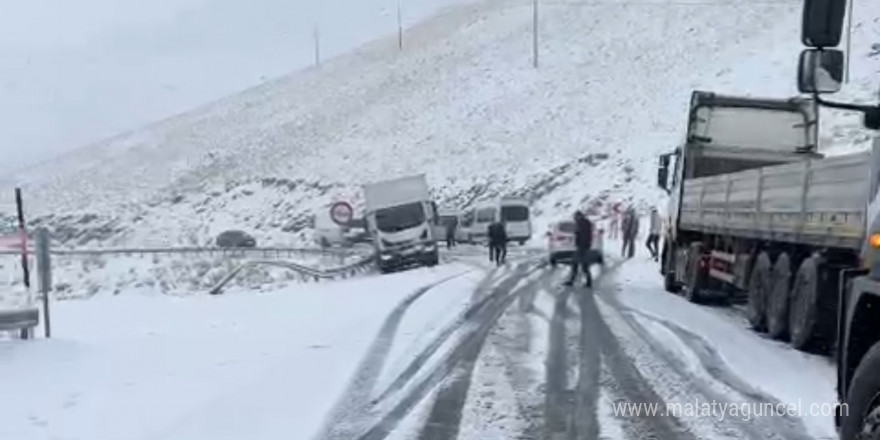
x=400 y=218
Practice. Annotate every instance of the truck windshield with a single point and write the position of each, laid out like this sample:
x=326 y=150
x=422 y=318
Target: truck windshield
x=401 y=217
x=514 y=213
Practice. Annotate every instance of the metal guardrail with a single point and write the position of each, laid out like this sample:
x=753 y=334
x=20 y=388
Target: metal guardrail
x=192 y=250
x=318 y=274
x=20 y=320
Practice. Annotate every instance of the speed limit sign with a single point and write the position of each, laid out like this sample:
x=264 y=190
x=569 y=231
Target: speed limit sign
x=341 y=213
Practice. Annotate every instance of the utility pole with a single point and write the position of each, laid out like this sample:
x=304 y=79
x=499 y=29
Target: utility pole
x=399 y=28
x=317 y=47
x=535 y=33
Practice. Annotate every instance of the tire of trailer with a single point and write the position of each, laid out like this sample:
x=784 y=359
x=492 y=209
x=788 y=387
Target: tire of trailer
x=863 y=397
x=667 y=269
x=696 y=278
x=778 y=298
x=803 y=319
x=758 y=285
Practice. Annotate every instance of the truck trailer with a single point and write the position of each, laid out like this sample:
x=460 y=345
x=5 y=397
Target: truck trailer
x=756 y=213
x=400 y=216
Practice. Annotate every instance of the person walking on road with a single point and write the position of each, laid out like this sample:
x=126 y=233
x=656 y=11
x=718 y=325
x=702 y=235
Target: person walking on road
x=450 y=234
x=630 y=229
x=583 y=242
x=653 y=233
x=614 y=227
x=497 y=243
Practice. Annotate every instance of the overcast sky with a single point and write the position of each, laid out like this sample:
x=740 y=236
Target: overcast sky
x=74 y=72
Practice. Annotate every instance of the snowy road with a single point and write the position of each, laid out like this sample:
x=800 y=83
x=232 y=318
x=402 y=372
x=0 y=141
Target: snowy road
x=460 y=351
x=532 y=359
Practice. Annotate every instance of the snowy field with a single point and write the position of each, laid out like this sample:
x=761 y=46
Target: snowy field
x=461 y=103
x=228 y=367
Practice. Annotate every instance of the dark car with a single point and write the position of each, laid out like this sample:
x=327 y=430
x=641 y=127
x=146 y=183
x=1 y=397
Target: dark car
x=236 y=239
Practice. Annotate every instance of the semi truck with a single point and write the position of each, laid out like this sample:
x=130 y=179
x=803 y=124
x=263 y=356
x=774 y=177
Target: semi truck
x=857 y=341
x=757 y=213
x=400 y=216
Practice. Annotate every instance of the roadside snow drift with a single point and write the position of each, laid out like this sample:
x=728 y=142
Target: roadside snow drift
x=134 y=367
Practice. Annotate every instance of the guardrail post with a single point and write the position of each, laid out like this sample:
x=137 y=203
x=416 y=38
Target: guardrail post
x=44 y=274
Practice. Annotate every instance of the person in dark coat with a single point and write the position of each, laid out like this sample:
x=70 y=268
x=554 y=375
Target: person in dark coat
x=450 y=233
x=583 y=243
x=630 y=229
x=497 y=242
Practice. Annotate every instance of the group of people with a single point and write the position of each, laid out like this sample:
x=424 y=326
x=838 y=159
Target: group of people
x=629 y=230
x=627 y=223
x=497 y=235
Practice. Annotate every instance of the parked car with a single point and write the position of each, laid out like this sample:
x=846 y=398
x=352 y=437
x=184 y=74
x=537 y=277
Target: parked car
x=236 y=239
x=560 y=242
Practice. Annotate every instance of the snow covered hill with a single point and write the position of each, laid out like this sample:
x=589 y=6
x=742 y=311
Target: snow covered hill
x=461 y=103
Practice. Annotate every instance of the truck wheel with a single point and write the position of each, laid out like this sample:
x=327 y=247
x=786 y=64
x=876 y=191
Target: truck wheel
x=759 y=284
x=667 y=269
x=696 y=276
x=803 y=317
x=777 y=300
x=862 y=414
x=553 y=262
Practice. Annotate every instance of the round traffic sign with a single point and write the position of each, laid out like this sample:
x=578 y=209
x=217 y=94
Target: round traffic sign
x=341 y=213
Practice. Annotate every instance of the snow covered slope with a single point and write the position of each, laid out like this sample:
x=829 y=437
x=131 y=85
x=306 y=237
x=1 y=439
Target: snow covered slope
x=462 y=103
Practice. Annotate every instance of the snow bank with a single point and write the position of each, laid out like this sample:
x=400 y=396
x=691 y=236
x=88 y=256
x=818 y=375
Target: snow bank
x=225 y=367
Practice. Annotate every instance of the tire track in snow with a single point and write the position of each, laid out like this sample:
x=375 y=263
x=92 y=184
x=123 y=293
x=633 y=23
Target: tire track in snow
x=625 y=379
x=570 y=404
x=777 y=426
x=444 y=421
x=667 y=376
x=556 y=378
x=446 y=365
x=480 y=301
x=353 y=406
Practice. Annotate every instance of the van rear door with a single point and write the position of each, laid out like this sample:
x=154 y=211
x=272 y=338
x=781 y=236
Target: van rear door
x=517 y=221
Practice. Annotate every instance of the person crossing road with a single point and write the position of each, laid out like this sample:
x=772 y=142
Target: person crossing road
x=653 y=233
x=583 y=241
x=497 y=243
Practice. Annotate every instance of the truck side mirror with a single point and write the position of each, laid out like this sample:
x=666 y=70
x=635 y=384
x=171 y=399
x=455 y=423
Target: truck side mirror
x=822 y=22
x=663 y=172
x=662 y=177
x=820 y=71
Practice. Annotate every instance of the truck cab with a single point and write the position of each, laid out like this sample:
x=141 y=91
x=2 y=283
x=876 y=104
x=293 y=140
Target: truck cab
x=820 y=71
